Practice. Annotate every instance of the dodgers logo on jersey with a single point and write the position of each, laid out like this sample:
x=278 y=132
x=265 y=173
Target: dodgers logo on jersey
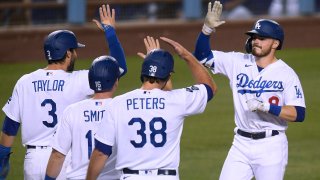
x=192 y=88
x=259 y=86
x=298 y=92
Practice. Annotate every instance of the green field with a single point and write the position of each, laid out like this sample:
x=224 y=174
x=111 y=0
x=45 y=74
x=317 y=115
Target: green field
x=207 y=138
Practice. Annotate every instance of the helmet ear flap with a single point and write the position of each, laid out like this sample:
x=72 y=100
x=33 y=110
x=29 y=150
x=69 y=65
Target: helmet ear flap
x=248 y=45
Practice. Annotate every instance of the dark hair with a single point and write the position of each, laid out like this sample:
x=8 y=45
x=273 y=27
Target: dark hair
x=60 y=61
x=152 y=80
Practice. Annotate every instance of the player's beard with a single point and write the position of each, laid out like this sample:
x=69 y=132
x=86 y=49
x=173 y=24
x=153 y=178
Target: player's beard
x=70 y=67
x=259 y=52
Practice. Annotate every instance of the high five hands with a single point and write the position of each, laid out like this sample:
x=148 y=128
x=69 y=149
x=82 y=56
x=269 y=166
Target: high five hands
x=212 y=19
x=107 y=17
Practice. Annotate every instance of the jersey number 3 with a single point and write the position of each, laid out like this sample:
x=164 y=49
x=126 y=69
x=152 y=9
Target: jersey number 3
x=51 y=113
x=154 y=132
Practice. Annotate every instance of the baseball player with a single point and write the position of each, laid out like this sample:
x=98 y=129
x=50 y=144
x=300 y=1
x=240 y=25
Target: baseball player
x=81 y=120
x=39 y=99
x=267 y=94
x=145 y=125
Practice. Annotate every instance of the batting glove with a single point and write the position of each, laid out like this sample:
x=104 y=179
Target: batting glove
x=212 y=19
x=254 y=105
x=4 y=161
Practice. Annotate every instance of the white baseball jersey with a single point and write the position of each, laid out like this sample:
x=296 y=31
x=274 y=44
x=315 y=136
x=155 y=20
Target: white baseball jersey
x=146 y=126
x=76 y=133
x=277 y=84
x=39 y=99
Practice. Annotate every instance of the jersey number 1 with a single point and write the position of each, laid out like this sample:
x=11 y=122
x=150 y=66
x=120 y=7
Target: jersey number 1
x=90 y=144
x=154 y=132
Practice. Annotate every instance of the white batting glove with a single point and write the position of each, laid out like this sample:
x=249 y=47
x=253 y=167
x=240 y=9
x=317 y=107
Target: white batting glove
x=212 y=19
x=254 y=105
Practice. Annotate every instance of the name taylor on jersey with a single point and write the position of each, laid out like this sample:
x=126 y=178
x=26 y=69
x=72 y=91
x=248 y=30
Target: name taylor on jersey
x=48 y=85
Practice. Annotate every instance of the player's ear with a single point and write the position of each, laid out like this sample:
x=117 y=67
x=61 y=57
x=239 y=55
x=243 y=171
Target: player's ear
x=68 y=54
x=115 y=85
x=276 y=43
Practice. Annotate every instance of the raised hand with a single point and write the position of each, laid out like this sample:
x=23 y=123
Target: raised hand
x=150 y=43
x=212 y=19
x=107 y=17
x=180 y=50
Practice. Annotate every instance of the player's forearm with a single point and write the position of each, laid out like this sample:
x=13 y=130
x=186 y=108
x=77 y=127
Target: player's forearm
x=288 y=113
x=6 y=140
x=202 y=49
x=97 y=162
x=199 y=72
x=115 y=48
x=55 y=164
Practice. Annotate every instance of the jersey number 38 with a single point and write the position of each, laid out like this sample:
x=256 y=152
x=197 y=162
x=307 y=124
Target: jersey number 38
x=161 y=132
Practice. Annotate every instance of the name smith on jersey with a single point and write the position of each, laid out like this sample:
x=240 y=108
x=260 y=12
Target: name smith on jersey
x=48 y=85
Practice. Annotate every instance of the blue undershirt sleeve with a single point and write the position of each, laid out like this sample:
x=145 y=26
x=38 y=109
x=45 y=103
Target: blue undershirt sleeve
x=202 y=49
x=105 y=149
x=210 y=92
x=10 y=127
x=301 y=111
x=115 y=48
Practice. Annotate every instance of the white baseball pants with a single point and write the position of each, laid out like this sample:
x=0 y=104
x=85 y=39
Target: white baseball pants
x=263 y=159
x=35 y=164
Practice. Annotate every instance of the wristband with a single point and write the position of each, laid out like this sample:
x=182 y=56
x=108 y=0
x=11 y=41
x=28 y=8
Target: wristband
x=207 y=30
x=106 y=26
x=49 y=178
x=4 y=151
x=275 y=110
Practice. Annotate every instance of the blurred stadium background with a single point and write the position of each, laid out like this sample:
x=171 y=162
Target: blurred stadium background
x=206 y=137
x=26 y=22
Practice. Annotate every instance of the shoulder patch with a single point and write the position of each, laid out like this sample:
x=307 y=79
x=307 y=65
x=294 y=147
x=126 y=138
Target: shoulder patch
x=10 y=98
x=192 y=88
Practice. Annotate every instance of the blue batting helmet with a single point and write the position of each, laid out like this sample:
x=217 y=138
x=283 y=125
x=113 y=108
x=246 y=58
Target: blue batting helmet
x=269 y=29
x=58 y=42
x=158 y=63
x=103 y=73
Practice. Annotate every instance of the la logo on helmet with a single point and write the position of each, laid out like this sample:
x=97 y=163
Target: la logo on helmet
x=257 y=25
